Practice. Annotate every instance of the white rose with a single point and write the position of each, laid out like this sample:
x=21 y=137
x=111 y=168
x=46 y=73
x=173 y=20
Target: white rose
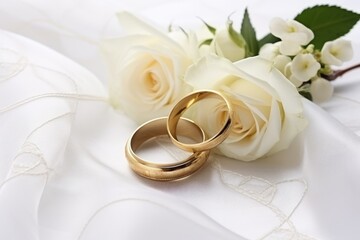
x=222 y=45
x=336 y=52
x=321 y=90
x=268 y=108
x=147 y=68
x=304 y=67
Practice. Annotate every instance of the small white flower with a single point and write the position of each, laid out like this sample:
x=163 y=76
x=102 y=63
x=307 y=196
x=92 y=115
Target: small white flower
x=290 y=48
x=224 y=46
x=304 y=67
x=288 y=74
x=291 y=30
x=269 y=51
x=336 y=52
x=280 y=62
x=321 y=90
x=292 y=33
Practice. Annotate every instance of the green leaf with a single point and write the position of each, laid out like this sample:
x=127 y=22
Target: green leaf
x=170 y=27
x=209 y=27
x=268 y=39
x=327 y=22
x=235 y=36
x=249 y=34
x=184 y=32
x=206 y=42
x=306 y=94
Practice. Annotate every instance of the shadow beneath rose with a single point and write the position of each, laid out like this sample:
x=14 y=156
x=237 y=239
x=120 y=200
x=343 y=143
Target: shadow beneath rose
x=286 y=163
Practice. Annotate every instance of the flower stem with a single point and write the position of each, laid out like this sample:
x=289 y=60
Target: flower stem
x=339 y=73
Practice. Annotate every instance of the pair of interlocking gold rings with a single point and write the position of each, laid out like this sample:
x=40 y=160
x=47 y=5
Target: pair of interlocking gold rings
x=173 y=126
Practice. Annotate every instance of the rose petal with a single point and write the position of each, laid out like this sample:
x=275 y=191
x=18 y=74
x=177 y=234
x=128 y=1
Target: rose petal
x=208 y=70
x=133 y=25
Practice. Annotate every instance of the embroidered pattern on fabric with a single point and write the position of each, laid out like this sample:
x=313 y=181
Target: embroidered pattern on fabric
x=264 y=192
x=11 y=63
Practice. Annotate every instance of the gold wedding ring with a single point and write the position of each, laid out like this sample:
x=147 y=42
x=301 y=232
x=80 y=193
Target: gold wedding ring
x=165 y=171
x=184 y=104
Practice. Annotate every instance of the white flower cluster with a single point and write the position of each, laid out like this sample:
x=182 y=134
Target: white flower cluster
x=300 y=62
x=152 y=70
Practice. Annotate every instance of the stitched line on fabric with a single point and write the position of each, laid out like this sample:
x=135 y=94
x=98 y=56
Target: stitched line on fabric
x=16 y=67
x=92 y=216
x=46 y=95
x=70 y=95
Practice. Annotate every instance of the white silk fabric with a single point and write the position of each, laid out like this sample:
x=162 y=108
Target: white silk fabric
x=63 y=173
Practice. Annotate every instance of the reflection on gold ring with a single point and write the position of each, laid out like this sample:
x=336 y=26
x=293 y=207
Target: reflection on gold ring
x=186 y=103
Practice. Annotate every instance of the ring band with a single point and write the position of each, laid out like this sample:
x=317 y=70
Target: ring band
x=165 y=171
x=186 y=103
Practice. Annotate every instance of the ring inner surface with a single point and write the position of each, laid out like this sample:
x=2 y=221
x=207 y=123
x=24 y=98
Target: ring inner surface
x=155 y=129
